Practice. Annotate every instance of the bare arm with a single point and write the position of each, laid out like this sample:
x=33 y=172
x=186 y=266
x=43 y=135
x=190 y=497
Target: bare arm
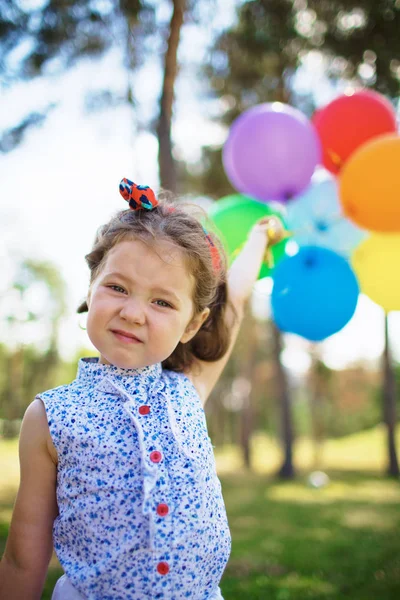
x=241 y=278
x=29 y=546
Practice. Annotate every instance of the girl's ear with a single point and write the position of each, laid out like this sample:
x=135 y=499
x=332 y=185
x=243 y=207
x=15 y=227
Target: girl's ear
x=194 y=326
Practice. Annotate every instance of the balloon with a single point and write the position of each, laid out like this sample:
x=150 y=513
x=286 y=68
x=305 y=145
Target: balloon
x=234 y=216
x=271 y=152
x=376 y=263
x=315 y=218
x=348 y=122
x=315 y=293
x=370 y=185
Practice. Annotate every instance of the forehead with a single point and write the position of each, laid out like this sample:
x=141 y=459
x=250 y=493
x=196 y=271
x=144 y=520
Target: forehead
x=161 y=264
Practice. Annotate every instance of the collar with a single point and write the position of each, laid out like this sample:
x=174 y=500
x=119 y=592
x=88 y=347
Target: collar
x=110 y=377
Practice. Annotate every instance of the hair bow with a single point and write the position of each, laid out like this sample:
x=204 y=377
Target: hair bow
x=137 y=196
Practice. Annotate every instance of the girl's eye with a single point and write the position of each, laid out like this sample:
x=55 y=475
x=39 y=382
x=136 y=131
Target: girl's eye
x=117 y=287
x=164 y=304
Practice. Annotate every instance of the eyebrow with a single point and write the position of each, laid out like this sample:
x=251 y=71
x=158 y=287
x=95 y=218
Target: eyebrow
x=159 y=290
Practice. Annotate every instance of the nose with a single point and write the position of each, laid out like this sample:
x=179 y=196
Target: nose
x=133 y=311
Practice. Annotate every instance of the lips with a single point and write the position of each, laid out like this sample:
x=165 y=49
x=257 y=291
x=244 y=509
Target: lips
x=125 y=334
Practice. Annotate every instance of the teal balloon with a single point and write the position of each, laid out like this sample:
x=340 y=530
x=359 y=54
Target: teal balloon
x=234 y=216
x=315 y=218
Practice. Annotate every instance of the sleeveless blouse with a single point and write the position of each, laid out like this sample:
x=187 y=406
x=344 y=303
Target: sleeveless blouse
x=141 y=513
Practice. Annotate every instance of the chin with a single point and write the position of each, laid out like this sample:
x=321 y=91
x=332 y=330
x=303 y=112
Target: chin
x=121 y=363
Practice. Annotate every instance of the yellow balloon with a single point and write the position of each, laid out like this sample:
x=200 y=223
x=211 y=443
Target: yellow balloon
x=376 y=264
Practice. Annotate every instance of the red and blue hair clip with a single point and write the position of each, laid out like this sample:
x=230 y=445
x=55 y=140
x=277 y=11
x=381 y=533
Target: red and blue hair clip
x=137 y=196
x=141 y=197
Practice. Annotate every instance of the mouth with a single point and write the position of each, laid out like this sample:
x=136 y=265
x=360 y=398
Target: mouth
x=126 y=337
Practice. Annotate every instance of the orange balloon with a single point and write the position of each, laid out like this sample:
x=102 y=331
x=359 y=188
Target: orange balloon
x=369 y=185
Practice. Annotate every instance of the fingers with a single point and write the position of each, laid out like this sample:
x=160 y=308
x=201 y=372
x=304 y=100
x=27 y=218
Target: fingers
x=270 y=223
x=272 y=227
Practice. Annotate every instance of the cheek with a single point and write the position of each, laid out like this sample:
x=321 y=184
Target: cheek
x=167 y=324
x=98 y=307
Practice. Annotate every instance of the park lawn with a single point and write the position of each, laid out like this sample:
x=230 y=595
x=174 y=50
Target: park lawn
x=292 y=541
x=295 y=542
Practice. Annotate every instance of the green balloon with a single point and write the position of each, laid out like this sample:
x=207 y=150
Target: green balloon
x=234 y=216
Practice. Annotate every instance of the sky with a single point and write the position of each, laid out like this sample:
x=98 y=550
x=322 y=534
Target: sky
x=61 y=184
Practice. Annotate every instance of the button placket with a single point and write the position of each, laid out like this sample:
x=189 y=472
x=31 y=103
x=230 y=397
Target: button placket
x=156 y=505
x=163 y=568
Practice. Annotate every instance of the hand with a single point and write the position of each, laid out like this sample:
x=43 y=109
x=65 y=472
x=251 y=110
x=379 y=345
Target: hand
x=272 y=227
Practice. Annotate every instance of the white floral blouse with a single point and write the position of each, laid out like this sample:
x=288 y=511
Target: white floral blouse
x=141 y=513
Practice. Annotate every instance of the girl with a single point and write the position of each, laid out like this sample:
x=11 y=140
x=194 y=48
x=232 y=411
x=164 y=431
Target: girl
x=117 y=469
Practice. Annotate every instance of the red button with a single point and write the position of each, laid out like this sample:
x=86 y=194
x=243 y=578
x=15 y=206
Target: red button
x=163 y=568
x=162 y=510
x=144 y=410
x=155 y=456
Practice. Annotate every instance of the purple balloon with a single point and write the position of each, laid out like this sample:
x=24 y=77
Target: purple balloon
x=271 y=152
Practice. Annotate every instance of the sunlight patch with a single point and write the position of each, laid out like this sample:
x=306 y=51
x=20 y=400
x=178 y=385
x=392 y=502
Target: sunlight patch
x=367 y=518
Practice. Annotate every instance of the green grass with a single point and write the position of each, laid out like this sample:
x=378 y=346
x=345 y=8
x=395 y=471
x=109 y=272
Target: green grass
x=290 y=540
x=294 y=542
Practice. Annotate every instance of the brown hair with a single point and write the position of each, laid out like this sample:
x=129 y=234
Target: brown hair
x=180 y=224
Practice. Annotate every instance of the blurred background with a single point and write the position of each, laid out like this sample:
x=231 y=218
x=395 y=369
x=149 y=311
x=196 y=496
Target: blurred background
x=304 y=432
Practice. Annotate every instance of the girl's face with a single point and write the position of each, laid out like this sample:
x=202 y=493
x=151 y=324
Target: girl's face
x=146 y=293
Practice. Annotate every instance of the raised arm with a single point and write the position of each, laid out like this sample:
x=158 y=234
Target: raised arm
x=29 y=546
x=241 y=277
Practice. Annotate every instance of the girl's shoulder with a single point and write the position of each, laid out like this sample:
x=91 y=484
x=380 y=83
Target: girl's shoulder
x=183 y=396
x=57 y=393
x=58 y=401
x=180 y=382
x=191 y=381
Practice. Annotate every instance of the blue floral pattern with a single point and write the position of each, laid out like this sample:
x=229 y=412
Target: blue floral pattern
x=141 y=512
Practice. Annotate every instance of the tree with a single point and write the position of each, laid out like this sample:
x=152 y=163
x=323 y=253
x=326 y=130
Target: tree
x=166 y=161
x=53 y=36
x=255 y=60
x=18 y=309
x=364 y=34
x=252 y=63
x=389 y=405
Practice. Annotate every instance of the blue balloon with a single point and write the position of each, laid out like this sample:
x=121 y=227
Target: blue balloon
x=315 y=293
x=315 y=218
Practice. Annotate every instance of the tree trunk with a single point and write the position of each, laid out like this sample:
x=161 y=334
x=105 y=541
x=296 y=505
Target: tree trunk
x=246 y=415
x=286 y=471
x=166 y=161
x=389 y=405
x=246 y=430
x=318 y=385
x=317 y=428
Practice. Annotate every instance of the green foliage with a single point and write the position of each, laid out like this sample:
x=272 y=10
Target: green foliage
x=26 y=369
x=56 y=34
x=343 y=402
x=341 y=421
x=254 y=60
x=365 y=33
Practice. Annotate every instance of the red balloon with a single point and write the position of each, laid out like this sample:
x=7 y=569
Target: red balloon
x=348 y=122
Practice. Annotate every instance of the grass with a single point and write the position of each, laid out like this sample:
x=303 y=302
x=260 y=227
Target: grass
x=292 y=541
